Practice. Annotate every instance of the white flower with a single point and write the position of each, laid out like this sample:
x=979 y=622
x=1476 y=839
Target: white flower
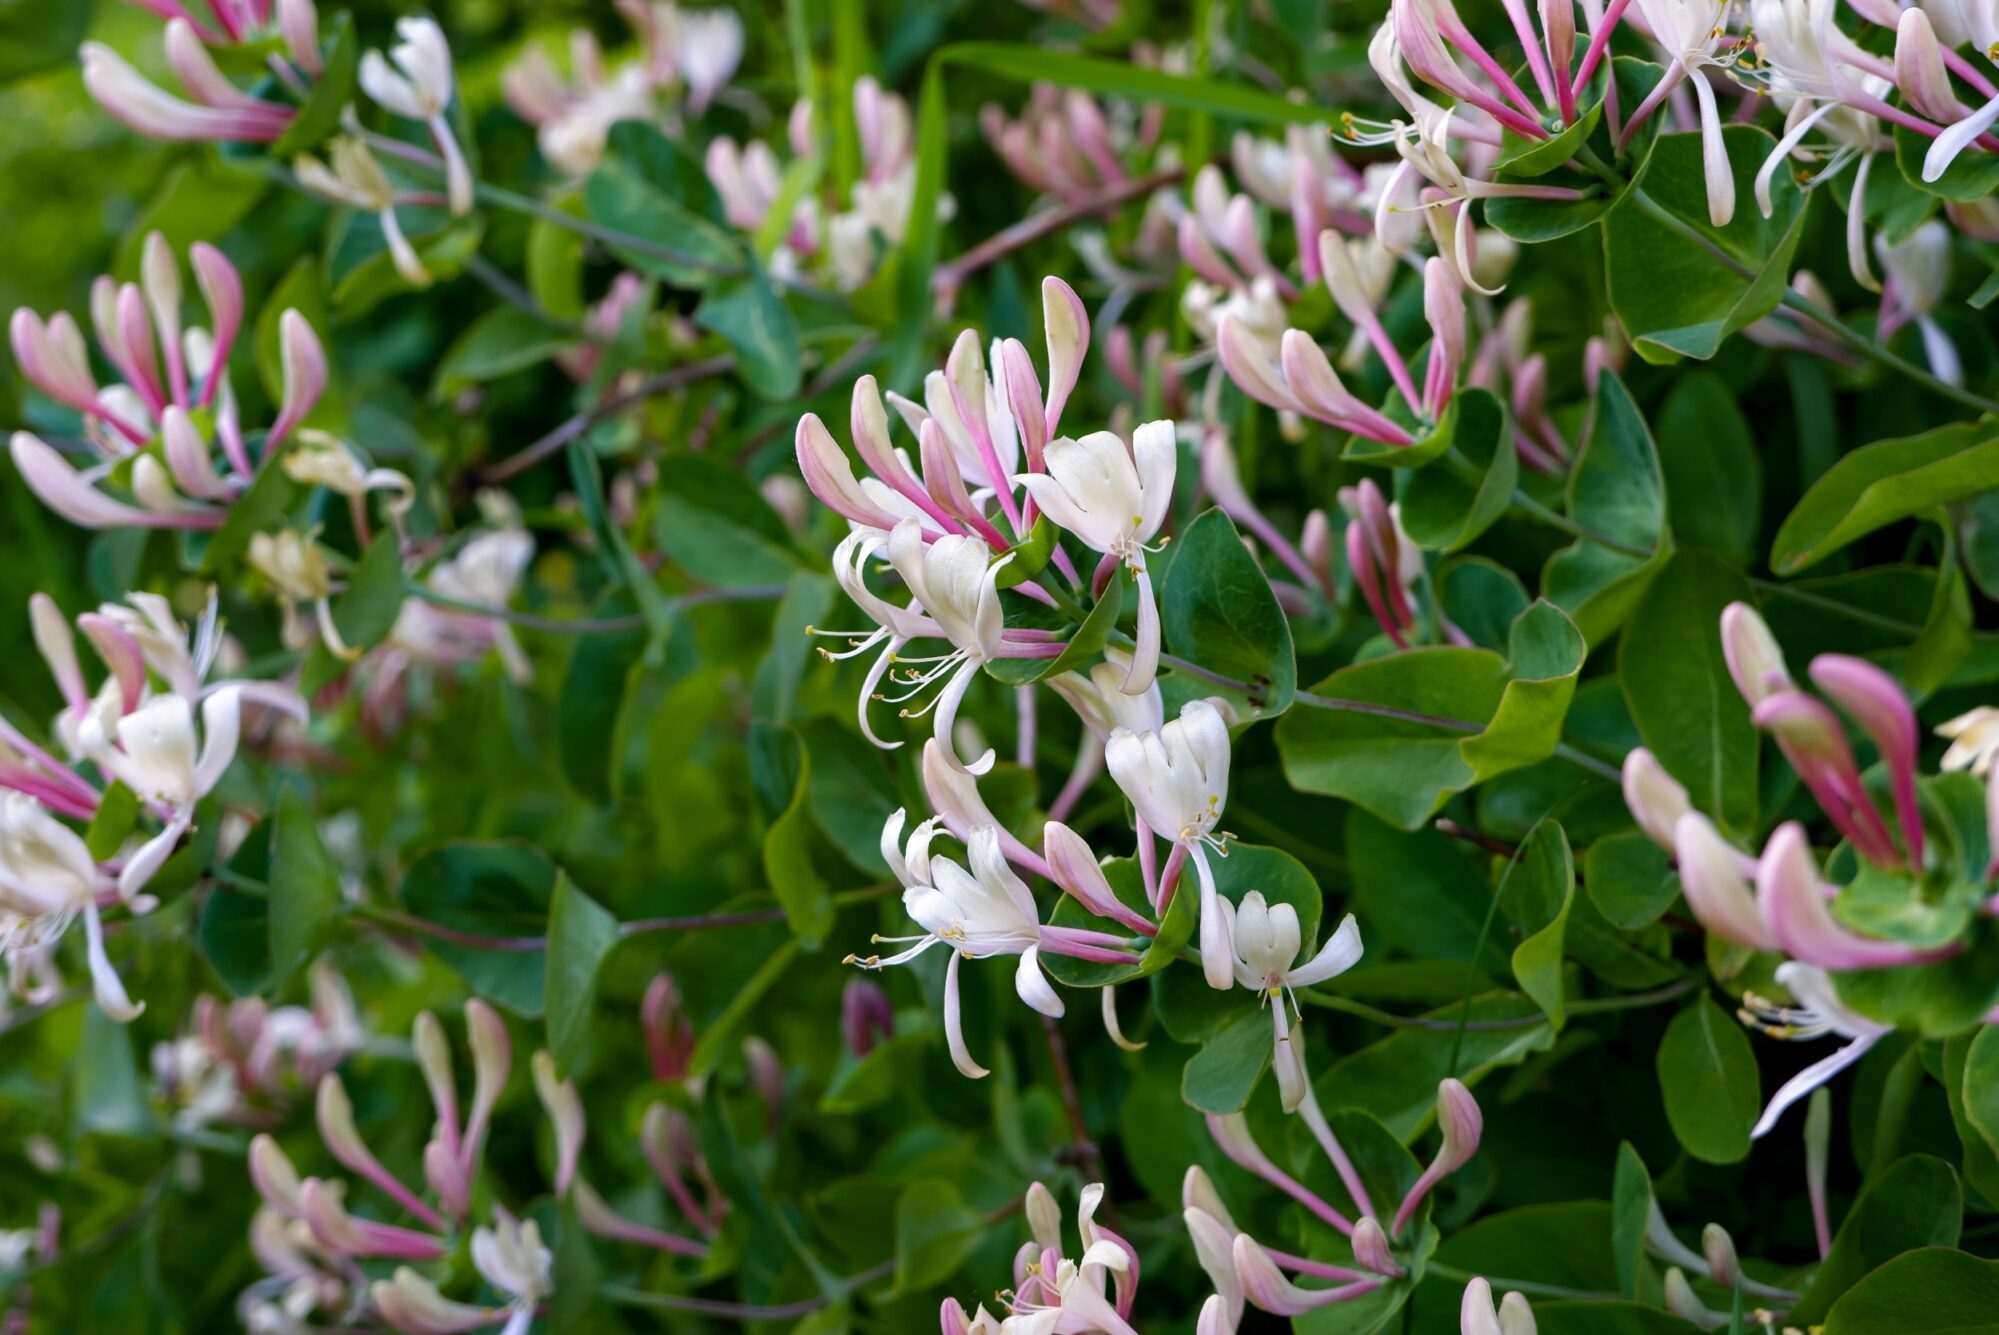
x=1974 y=740
x=47 y=878
x=1114 y=499
x=1819 y=1012
x=1265 y=940
x=418 y=85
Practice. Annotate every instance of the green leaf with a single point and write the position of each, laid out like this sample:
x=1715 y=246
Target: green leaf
x=1539 y=220
x=717 y=525
x=1981 y=1157
x=1616 y=489
x=1538 y=157
x=1938 y=999
x=319 y=117
x=199 y=199
x=1630 y=879
x=576 y=1307
x=1929 y=1291
x=498 y=890
x=1675 y=297
x=1446 y=506
x=366 y=610
x=1217 y=609
x=37 y=35
x=365 y=274
x=1878 y=484
x=503 y=340
x=304 y=887
x=1608 y=1318
x=1030 y=556
x=1677 y=686
x=935 y=1231
x=619 y=196
x=1188 y=1008
x=1630 y=1210
x=117 y=816
x=1396 y=1078
x=1416 y=727
x=581 y=933
x=1420 y=894
x=108 y=1095
x=1714 y=475
x=1970 y=177
x=1707 y=1072
x=235 y=938
x=1538 y=891
x=721 y=1033
x=259 y=510
x=1222 y=1075
x=751 y=315
x=1980 y=1084
x=788 y=856
x=589 y=711
x=1082 y=649
x=1914 y=1202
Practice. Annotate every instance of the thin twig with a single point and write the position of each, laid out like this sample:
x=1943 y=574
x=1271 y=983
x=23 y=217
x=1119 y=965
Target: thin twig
x=664 y=383
x=1596 y=1006
x=1086 y=1150
x=749 y=593
x=950 y=276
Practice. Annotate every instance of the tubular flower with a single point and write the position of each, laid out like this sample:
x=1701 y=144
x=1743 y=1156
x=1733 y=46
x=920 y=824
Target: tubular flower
x=143 y=737
x=508 y=1255
x=985 y=911
x=214 y=110
x=1177 y=779
x=241 y=1059
x=1691 y=33
x=1916 y=272
x=1092 y=1295
x=1477 y=1317
x=1114 y=499
x=170 y=376
x=1265 y=941
x=414 y=80
x=1818 y=1012
x=351 y=175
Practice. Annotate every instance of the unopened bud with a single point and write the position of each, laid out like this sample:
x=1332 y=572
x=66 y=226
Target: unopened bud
x=565 y=1111
x=1458 y=1117
x=1683 y=1302
x=866 y=1017
x=1655 y=798
x=1754 y=659
x=1371 y=1250
x=1044 y=1217
x=433 y=1058
x=1719 y=1249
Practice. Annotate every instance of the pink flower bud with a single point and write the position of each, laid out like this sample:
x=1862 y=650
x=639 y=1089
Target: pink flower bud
x=1067 y=327
x=53 y=358
x=1719 y=1249
x=1655 y=798
x=866 y=1017
x=1876 y=702
x=57 y=645
x=827 y=472
x=1754 y=659
x=1250 y=365
x=1919 y=69
x=669 y=1034
x=187 y=456
x=222 y=290
x=413 y=1305
x=433 y=1058
x=446 y=1179
x=274 y=1177
x=1023 y=397
x=766 y=1077
x=1265 y=1286
x=492 y=1059
x=1371 y=1250
x=1444 y=308
x=1711 y=879
x=65 y=491
x=1459 y=1119
x=1791 y=898
x=1214 y=1318
x=144 y=108
x=565 y=1111
x=298 y=24
x=304 y=376
x=1073 y=865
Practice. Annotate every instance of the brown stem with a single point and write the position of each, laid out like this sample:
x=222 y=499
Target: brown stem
x=950 y=276
x=664 y=383
x=1090 y=1158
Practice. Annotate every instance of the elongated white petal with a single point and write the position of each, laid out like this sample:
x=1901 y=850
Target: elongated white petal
x=954 y=1023
x=1033 y=985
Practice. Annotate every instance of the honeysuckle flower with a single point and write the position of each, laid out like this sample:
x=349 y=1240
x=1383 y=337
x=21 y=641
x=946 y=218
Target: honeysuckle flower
x=1114 y=499
x=1754 y=659
x=1178 y=781
x=1974 y=741
x=1371 y=1250
x=953 y=1320
x=1073 y=866
x=1931 y=91
x=1266 y=1288
x=414 y=80
x=1713 y=879
x=1655 y=798
x=1054 y=1295
x=1791 y=898
x=218 y=112
x=1818 y=1011
x=1385 y=563
x=669 y=1032
x=1476 y=1315
x=1915 y=274
x=573 y=117
x=239 y=1059
x=1223 y=483
x=484 y=572
x=706 y=46
x=1214 y=1318
x=1265 y=942
x=1460 y=1121
x=955 y=597
x=167 y=372
x=508 y=1255
x=1068 y=144
x=294 y=566
x=953 y=794
x=47 y=880
x=352 y=176
x=982 y=912
x=1691 y=33
x=672 y=1152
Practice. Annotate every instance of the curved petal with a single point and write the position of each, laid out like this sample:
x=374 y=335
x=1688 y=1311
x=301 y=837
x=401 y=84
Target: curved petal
x=954 y=1023
x=1033 y=985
